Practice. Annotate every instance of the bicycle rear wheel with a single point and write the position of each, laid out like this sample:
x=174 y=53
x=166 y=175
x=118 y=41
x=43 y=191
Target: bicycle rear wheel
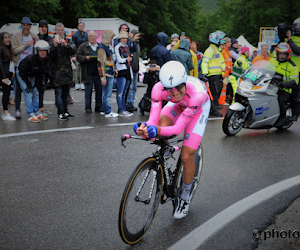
x=198 y=159
x=140 y=201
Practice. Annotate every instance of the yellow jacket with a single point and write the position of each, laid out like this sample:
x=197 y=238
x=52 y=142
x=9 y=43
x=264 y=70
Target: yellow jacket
x=213 y=61
x=194 y=72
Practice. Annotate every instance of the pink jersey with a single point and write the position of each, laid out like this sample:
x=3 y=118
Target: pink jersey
x=192 y=102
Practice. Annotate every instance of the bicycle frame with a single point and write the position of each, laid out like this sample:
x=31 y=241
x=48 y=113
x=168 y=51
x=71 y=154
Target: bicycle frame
x=169 y=183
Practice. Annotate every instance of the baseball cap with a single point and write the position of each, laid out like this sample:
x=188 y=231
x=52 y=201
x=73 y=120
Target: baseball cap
x=174 y=35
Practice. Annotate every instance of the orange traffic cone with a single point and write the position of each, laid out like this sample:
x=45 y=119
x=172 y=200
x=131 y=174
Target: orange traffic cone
x=222 y=97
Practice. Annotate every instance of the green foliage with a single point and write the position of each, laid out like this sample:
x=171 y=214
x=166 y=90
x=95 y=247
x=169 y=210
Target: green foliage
x=197 y=18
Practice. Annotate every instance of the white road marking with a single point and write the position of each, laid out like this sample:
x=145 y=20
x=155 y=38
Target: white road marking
x=44 y=131
x=198 y=236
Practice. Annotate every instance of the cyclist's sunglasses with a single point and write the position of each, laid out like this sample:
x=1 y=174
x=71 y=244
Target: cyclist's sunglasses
x=179 y=87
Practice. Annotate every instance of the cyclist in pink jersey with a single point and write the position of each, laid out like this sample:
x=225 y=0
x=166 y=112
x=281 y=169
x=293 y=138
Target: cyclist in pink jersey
x=188 y=109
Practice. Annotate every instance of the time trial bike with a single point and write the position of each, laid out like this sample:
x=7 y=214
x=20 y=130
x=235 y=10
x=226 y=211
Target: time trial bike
x=156 y=179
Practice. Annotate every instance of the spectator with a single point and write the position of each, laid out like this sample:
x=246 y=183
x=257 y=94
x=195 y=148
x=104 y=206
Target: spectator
x=159 y=53
x=107 y=70
x=43 y=31
x=135 y=69
x=151 y=76
x=124 y=72
x=6 y=57
x=43 y=35
x=32 y=71
x=183 y=55
x=174 y=38
x=78 y=38
x=22 y=45
x=263 y=55
x=212 y=67
x=60 y=52
x=173 y=43
x=194 y=72
x=254 y=53
x=234 y=53
x=130 y=42
x=87 y=57
x=194 y=48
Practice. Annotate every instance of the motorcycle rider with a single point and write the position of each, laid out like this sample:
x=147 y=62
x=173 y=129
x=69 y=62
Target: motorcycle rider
x=212 y=67
x=239 y=66
x=289 y=70
x=294 y=42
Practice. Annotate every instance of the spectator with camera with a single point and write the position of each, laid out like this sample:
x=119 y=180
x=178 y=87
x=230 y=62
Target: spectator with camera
x=151 y=77
x=60 y=52
x=135 y=69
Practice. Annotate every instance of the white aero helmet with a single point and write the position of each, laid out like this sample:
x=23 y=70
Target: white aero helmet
x=41 y=45
x=172 y=74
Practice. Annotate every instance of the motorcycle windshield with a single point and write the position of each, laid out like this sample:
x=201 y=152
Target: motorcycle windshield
x=259 y=71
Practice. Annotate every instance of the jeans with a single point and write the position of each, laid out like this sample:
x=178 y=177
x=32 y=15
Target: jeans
x=93 y=80
x=106 y=95
x=122 y=86
x=17 y=91
x=132 y=90
x=31 y=99
x=61 y=98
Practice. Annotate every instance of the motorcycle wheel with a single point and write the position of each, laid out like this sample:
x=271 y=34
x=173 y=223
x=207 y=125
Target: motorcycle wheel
x=231 y=123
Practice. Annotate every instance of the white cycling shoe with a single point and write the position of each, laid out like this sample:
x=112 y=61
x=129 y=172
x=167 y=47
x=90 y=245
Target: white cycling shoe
x=181 y=209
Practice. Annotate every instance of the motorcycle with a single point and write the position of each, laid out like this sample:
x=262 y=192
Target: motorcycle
x=256 y=105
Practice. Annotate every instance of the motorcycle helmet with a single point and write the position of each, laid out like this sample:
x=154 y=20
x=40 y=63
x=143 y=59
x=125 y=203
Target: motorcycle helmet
x=216 y=36
x=296 y=27
x=283 y=48
x=41 y=45
x=172 y=74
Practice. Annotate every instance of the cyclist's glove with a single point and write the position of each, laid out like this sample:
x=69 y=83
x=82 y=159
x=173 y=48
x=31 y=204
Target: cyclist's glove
x=137 y=125
x=152 y=131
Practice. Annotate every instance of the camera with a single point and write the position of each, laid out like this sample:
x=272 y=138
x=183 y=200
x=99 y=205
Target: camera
x=282 y=29
x=152 y=66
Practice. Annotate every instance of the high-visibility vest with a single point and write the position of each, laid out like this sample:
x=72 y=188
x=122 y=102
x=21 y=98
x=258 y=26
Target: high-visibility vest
x=228 y=62
x=288 y=70
x=237 y=71
x=212 y=61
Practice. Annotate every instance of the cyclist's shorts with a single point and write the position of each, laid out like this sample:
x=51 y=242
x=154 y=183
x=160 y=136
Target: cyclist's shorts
x=194 y=131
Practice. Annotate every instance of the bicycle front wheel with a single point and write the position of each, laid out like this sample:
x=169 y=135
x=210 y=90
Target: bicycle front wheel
x=140 y=201
x=198 y=159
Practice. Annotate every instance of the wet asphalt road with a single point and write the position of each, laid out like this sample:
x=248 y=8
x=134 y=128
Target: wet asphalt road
x=62 y=190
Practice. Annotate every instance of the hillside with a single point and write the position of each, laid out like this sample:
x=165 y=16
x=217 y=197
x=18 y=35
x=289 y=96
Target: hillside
x=209 y=5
